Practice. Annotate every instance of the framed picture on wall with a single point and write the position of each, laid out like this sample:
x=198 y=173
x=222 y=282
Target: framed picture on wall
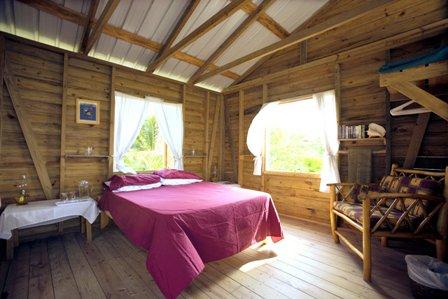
x=87 y=112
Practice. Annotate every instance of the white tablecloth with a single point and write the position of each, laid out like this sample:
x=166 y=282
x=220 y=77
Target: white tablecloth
x=43 y=212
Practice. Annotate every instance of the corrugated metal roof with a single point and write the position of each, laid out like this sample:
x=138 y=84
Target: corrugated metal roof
x=154 y=20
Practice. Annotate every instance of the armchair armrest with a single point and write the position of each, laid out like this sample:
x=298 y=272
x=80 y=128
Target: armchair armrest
x=375 y=195
x=341 y=184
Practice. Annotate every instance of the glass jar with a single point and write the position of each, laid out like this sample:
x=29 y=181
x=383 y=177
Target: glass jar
x=83 y=189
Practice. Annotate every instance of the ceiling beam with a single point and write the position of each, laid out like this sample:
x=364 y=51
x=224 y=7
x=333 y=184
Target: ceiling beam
x=208 y=25
x=178 y=28
x=265 y=20
x=295 y=38
x=99 y=25
x=231 y=39
x=394 y=41
x=422 y=97
x=73 y=16
x=322 y=10
x=88 y=25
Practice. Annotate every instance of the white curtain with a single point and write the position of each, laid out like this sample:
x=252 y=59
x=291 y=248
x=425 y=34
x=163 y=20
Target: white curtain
x=170 y=121
x=256 y=134
x=326 y=103
x=130 y=114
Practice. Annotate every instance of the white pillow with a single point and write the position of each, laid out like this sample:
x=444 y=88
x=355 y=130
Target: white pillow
x=138 y=187
x=175 y=182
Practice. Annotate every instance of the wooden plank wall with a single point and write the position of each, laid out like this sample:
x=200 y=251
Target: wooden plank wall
x=362 y=100
x=40 y=79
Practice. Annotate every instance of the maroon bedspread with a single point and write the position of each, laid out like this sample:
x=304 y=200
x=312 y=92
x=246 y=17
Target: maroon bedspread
x=183 y=227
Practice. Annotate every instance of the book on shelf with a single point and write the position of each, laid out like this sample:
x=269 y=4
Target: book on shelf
x=352 y=132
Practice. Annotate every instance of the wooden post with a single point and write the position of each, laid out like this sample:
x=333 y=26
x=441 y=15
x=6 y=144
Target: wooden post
x=222 y=142
x=366 y=246
x=214 y=132
x=27 y=130
x=241 y=137
x=228 y=133
x=263 y=153
x=184 y=103
x=206 y=145
x=333 y=217
x=388 y=129
x=415 y=143
x=337 y=91
x=2 y=70
x=63 y=125
x=112 y=123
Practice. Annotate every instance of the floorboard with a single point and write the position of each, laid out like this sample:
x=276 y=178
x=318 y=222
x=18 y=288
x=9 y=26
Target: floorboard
x=306 y=264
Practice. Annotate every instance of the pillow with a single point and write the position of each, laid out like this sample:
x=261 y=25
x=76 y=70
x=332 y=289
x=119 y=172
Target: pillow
x=119 y=181
x=176 y=182
x=138 y=187
x=176 y=174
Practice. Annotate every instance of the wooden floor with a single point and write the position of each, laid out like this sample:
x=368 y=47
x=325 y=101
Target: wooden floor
x=306 y=264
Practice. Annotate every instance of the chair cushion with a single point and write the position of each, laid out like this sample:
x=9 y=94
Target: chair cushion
x=391 y=183
x=420 y=186
x=354 y=212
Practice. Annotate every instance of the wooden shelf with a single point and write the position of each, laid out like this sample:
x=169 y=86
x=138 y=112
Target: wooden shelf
x=379 y=153
x=195 y=156
x=79 y=156
x=363 y=141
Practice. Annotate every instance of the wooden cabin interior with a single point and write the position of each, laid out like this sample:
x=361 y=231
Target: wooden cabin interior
x=222 y=148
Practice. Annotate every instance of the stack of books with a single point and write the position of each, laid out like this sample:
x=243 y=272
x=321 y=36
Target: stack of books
x=352 y=132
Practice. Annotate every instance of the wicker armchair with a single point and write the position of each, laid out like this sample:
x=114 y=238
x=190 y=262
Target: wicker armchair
x=409 y=203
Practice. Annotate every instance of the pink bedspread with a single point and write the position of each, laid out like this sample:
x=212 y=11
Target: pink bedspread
x=183 y=227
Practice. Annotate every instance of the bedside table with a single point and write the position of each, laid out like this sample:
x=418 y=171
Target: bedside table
x=37 y=213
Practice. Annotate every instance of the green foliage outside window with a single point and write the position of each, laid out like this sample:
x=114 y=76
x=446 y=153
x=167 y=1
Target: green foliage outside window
x=148 y=149
x=291 y=151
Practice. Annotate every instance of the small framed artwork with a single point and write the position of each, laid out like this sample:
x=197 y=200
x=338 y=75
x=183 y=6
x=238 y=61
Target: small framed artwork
x=87 y=112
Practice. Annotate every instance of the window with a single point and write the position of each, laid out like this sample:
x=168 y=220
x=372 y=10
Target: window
x=149 y=151
x=143 y=127
x=293 y=138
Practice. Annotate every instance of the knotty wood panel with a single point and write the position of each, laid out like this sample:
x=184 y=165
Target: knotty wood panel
x=39 y=72
x=362 y=100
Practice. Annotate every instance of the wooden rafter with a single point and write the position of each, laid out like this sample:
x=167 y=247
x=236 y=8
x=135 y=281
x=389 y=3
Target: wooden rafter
x=99 y=25
x=422 y=97
x=28 y=134
x=265 y=20
x=88 y=25
x=297 y=37
x=321 y=11
x=231 y=39
x=178 y=28
x=208 y=25
x=73 y=16
x=397 y=40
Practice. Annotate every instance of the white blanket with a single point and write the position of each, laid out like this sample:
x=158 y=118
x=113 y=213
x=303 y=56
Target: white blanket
x=44 y=212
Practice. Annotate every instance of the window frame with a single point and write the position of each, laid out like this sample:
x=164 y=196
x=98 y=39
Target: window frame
x=112 y=169
x=264 y=171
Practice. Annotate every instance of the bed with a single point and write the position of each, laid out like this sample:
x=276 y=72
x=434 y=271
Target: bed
x=183 y=227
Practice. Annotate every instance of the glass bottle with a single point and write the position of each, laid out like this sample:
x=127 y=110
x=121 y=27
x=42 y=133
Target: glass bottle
x=22 y=198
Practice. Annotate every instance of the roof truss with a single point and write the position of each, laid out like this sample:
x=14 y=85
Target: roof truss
x=178 y=28
x=75 y=17
x=324 y=9
x=99 y=25
x=302 y=35
x=208 y=25
x=402 y=82
x=88 y=25
x=253 y=16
